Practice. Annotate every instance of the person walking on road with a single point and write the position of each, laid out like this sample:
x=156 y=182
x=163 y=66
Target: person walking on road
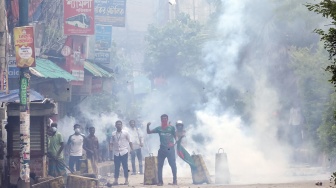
x=137 y=142
x=119 y=144
x=167 y=147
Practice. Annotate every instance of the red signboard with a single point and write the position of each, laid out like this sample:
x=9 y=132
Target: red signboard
x=78 y=17
x=75 y=59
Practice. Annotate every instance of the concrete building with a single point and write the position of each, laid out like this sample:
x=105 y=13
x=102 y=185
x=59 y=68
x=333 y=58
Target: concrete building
x=197 y=9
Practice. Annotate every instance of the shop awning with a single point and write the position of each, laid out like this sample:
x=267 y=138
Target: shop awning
x=47 y=69
x=96 y=70
x=13 y=96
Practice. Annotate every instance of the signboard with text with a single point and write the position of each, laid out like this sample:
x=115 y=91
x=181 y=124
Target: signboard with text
x=103 y=43
x=24 y=46
x=78 y=17
x=102 y=57
x=13 y=71
x=110 y=12
x=75 y=57
x=23 y=91
x=103 y=37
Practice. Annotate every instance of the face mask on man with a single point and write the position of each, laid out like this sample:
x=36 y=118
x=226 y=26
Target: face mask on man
x=77 y=130
x=54 y=129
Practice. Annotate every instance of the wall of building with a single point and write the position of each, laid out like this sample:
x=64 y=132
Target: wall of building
x=197 y=9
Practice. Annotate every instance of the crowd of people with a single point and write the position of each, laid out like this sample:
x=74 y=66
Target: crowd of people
x=122 y=143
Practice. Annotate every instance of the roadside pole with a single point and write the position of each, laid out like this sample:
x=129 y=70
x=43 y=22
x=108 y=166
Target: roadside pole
x=24 y=108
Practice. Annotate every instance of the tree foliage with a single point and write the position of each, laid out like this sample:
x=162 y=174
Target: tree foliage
x=175 y=48
x=327 y=131
x=327 y=8
x=308 y=65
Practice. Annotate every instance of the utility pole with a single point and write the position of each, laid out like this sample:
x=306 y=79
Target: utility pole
x=24 y=109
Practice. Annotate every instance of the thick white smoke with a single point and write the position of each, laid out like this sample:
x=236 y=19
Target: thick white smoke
x=254 y=153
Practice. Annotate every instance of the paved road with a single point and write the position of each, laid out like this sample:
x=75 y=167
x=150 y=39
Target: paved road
x=187 y=183
x=302 y=178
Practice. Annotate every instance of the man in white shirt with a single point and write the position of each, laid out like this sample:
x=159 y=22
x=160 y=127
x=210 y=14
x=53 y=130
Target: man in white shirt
x=296 y=126
x=137 y=142
x=119 y=144
x=75 y=148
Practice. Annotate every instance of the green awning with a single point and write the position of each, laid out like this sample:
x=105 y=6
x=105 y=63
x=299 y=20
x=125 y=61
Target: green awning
x=96 y=70
x=47 y=69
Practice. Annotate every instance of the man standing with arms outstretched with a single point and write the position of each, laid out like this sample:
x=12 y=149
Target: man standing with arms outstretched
x=167 y=150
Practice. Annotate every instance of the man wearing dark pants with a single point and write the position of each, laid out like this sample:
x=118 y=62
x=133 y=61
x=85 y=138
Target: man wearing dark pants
x=119 y=144
x=75 y=147
x=167 y=138
x=137 y=142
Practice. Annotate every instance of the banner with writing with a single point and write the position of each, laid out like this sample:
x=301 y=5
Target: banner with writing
x=110 y=12
x=78 y=17
x=103 y=43
x=103 y=37
x=102 y=57
x=75 y=57
x=13 y=70
x=24 y=46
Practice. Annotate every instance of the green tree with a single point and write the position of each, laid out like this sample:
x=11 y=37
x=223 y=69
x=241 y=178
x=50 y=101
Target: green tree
x=308 y=65
x=175 y=48
x=174 y=52
x=327 y=8
x=327 y=132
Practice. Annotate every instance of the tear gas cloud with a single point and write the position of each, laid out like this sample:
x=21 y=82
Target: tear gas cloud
x=254 y=152
x=234 y=60
x=250 y=159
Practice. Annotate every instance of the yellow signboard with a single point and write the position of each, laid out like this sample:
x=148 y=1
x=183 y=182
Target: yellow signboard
x=24 y=46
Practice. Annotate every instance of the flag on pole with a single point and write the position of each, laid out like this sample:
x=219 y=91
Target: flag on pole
x=184 y=155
